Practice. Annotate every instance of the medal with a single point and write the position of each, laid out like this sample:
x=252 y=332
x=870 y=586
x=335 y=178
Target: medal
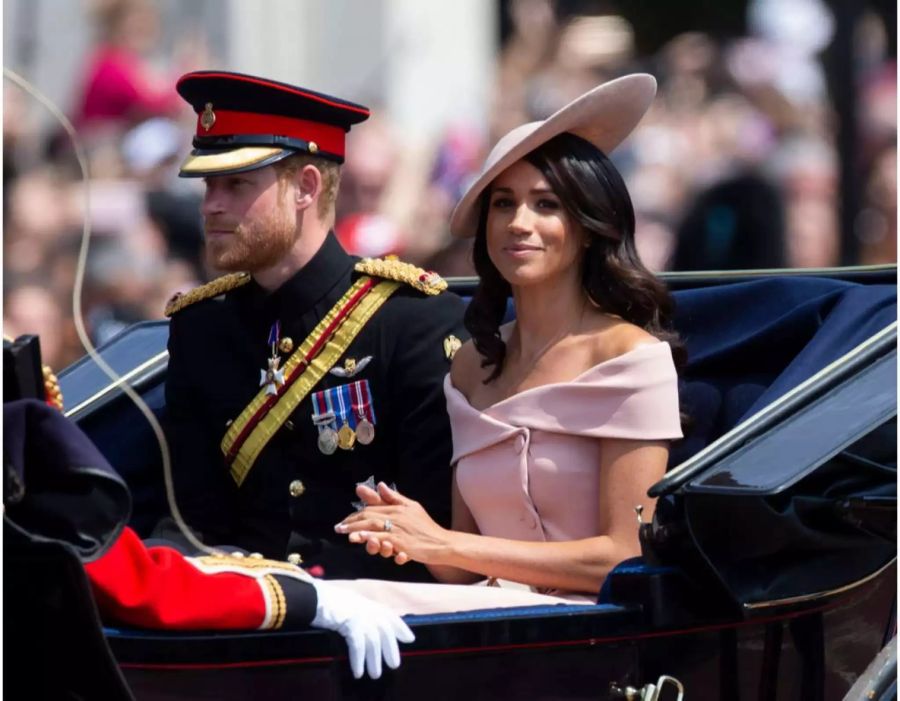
x=272 y=378
x=328 y=440
x=344 y=416
x=360 y=400
x=323 y=418
x=346 y=437
x=365 y=431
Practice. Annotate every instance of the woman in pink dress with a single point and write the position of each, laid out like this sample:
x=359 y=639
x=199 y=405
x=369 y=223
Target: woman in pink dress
x=562 y=418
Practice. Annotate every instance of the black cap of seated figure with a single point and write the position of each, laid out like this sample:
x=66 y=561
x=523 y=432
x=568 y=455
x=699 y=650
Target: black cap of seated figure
x=245 y=122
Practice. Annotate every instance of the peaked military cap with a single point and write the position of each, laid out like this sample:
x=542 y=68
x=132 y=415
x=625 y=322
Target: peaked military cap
x=245 y=122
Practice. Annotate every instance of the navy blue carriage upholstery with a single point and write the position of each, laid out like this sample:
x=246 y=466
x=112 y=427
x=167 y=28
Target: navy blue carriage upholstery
x=749 y=343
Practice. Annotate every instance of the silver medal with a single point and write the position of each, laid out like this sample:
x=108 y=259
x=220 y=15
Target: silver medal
x=365 y=432
x=328 y=440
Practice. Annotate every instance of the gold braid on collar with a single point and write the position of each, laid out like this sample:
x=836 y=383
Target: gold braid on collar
x=211 y=289
x=425 y=281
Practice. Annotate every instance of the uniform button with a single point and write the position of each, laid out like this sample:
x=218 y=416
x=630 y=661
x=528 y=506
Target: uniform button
x=256 y=556
x=238 y=554
x=297 y=488
x=294 y=558
x=289 y=425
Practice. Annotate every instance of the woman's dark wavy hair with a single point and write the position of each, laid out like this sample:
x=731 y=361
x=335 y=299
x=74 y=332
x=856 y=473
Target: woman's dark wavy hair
x=613 y=276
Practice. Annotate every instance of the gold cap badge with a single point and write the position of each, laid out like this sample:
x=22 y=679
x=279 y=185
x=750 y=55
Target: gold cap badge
x=208 y=118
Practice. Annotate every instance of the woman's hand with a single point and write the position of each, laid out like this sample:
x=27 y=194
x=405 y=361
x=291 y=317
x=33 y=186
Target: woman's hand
x=392 y=525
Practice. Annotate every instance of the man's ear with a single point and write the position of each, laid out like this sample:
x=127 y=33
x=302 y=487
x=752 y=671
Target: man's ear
x=309 y=186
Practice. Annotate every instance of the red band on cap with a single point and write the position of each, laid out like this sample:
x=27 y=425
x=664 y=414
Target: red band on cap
x=230 y=123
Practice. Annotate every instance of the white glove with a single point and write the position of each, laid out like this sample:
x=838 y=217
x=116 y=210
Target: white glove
x=370 y=629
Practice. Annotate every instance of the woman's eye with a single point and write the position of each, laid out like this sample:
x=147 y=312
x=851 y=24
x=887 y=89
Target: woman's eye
x=548 y=204
x=502 y=202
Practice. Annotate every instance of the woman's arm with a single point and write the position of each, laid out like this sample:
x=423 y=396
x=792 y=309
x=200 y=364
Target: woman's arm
x=627 y=470
x=463 y=523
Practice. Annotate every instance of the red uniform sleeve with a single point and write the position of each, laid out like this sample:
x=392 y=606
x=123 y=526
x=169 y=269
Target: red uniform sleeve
x=158 y=587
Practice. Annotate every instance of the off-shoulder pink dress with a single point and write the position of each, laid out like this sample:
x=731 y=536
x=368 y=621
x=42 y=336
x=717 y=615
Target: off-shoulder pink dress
x=528 y=466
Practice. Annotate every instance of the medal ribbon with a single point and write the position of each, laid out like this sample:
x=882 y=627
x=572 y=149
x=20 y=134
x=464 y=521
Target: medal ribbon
x=274 y=335
x=361 y=402
x=320 y=412
x=264 y=416
x=343 y=406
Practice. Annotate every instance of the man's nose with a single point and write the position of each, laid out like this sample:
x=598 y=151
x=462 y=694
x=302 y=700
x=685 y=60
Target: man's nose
x=212 y=202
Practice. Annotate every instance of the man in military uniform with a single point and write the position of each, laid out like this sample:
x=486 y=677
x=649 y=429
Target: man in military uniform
x=303 y=371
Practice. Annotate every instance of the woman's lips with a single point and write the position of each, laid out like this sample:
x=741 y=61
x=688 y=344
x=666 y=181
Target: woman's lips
x=521 y=250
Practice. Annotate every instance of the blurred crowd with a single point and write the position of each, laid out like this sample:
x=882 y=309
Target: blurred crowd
x=736 y=165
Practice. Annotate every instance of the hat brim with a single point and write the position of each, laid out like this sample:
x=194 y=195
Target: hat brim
x=605 y=116
x=205 y=162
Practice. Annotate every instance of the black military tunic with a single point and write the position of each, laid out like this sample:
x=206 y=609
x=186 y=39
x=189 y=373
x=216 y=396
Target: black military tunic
x=294 y=494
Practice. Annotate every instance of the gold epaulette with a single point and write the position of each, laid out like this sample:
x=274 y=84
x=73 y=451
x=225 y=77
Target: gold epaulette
x=392 y=269
x=211 y=289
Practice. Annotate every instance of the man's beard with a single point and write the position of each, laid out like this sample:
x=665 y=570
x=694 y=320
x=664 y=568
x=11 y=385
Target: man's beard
x=254 y=246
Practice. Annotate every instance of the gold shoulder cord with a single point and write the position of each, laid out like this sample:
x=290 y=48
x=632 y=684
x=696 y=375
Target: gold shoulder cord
x=426 y=281
x=211 y=289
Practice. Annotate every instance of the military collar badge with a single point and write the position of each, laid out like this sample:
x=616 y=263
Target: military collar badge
x=451 y=345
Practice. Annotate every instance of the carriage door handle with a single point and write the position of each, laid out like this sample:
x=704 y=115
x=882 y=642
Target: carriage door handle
x=648 y=692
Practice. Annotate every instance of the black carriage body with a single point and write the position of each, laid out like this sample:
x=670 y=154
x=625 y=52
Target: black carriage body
x=768 y=571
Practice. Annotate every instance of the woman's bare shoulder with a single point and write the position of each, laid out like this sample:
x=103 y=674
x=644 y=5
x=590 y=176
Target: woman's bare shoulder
x=466 y=367
x=617 y=337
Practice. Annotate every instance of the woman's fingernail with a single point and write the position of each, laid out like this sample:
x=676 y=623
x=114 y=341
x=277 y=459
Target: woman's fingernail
x=340 y=528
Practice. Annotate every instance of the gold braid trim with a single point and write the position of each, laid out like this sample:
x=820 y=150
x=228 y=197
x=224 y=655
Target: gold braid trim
x=51 y=388
x=278 y=602
x=425 y=281
x=241 y=561
x=211 y=289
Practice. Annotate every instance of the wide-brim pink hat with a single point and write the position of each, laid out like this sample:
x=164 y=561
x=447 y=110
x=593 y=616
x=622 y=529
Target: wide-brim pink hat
x=604 y=116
